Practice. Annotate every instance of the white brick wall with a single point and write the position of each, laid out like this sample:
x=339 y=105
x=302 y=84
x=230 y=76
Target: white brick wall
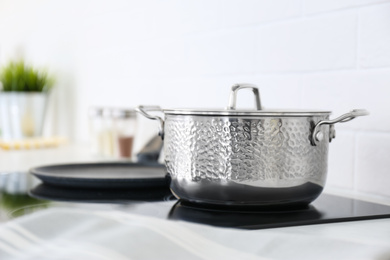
x=320 y=54
x=372 y=163
x=318 y=6
x=317 y=43
x=374 y=36
x=343 y=90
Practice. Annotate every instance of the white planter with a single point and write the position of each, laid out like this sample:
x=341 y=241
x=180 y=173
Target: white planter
x=22 y=114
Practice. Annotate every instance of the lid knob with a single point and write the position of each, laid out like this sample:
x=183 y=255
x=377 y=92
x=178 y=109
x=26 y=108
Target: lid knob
x=236 y=88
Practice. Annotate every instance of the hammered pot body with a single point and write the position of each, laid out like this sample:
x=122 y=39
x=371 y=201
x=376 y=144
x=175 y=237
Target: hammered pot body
x=238 y=160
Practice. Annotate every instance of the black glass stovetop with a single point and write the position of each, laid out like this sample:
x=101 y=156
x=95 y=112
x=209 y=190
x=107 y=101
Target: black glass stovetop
x=326 y=209
x=17 y=198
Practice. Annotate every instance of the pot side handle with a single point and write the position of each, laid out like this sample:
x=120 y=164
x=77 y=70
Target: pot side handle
x=317 y=135
x=143 y=110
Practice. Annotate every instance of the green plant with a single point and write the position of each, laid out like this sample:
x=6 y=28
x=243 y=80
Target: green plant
x=17 y=76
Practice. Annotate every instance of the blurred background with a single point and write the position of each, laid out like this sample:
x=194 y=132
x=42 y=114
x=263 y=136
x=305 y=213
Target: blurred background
x=311 y=54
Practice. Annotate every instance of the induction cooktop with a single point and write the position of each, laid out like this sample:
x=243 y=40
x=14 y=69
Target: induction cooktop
x=326 y=209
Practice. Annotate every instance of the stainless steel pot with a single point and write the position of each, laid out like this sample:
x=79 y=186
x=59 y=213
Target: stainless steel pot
x=247 y=157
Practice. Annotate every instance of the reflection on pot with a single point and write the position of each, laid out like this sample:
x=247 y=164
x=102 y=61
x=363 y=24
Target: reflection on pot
x=244 y=218
x=237 y=194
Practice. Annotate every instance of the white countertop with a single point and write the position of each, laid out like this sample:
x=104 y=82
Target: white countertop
x=89 y=233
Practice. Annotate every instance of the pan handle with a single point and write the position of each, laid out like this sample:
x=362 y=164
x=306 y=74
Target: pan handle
x=317 y=135
x=143 y=110
x=236 y=88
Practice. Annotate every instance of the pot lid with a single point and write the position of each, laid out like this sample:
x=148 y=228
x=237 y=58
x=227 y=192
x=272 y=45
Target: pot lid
x=265 y=112
x=259 y=111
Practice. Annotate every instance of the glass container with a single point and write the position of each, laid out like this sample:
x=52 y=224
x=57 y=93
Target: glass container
x=125 y=128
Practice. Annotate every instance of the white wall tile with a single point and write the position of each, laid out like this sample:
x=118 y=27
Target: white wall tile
x=367 y=2
x=113 y=29
x=341 y=161
x=342 y=91
x=374 y=36
x=179 y=17
x=174 y=17
x=373 y=164
x=318 y=6
x=324 y=43
x=222 y=53
x=259 y=11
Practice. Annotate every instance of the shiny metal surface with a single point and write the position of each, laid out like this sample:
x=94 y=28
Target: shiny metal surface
x=318 y=136
x=248 y=113
x=236 y=88
x=242 y=161
x=254 y=158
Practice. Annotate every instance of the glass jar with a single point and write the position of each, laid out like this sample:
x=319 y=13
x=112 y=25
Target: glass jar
x=107 y=135
x=95 y=123
x=125 y=128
